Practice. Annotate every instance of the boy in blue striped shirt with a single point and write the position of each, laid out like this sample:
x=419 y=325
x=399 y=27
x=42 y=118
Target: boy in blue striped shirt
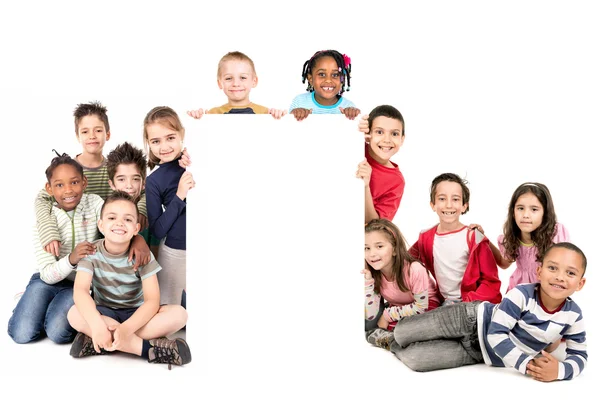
x=514 y=333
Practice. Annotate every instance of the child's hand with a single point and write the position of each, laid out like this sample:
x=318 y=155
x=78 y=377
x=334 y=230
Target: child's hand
x=53 y=248
x=363 y=126
x=350 y=112
x=185 y=160
x=478 y=227
x=364 y=172
x=277 y=114
x=120 y=337
x=196 y=114
x=102 y=339
x=139 y=252
x=367 y=273
x=143 y=220
x=301 y=113
x=382 y=323
x=186 y=182
x=544 y=368
x=80 y=251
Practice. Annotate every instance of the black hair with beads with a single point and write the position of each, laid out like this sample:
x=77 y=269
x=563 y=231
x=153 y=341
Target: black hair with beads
x=342 y=61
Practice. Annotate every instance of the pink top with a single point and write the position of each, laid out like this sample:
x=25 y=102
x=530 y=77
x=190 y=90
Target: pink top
x=526 y=271
x=420 y=297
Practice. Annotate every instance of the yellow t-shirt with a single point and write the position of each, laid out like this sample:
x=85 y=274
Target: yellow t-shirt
x=249 y=109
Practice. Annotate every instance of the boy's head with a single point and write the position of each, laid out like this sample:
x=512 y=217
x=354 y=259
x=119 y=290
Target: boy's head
x=91 y=127
x=126 y=167
x=386 y=127
x=236 y=76
x=561 y=272
x=118 y=218
x=449 y=196
x=66 y=181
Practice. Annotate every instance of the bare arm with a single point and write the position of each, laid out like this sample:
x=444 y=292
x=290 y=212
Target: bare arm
x=502 y=262
x=146 y=311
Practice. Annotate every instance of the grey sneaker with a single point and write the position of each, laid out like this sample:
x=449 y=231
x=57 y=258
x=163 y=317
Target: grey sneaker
x=381 y=338
x=169 y=351
x=84 y=346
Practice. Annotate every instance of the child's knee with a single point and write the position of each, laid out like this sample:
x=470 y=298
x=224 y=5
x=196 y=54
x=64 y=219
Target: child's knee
x=59 y=330
x=23 y=330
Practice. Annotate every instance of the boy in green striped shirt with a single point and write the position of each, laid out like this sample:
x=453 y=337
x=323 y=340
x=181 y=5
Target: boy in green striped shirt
x=92 y=131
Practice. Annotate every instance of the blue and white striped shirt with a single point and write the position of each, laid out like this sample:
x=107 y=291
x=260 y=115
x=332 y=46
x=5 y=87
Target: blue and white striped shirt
x=519 y=328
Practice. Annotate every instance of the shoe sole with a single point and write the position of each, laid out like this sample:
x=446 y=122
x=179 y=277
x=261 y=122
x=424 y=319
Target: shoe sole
x=184 y=351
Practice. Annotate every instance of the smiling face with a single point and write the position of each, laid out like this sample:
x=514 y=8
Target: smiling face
x=92 y=134
x=449 y=204
x=379 y=252
x=560 y=275
x=529 y=214
x=118 y=223
x=326 y=80
x=128 y=179
x=386 y=139
x=236 y=79
x=67 y=186
x=164 y=143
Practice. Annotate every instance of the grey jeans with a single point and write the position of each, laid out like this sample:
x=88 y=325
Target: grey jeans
x=442 y=338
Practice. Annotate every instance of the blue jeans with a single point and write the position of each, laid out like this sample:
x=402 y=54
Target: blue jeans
x=43 y=310
x=442 y=338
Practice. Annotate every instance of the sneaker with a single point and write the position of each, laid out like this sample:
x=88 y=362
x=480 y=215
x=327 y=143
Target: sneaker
x=169 y=351
x=381 y=338
x=83 y=345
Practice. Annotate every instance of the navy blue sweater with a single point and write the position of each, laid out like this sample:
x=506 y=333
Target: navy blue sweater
x=161 y=189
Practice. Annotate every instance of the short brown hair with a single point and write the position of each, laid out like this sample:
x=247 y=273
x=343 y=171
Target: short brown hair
x=92 y=108
x=450 y=177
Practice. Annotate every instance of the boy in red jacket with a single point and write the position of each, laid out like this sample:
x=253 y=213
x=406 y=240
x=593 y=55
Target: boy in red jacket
x=460 y=259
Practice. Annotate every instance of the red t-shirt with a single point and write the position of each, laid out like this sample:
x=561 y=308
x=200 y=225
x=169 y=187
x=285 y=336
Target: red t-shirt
x=387 y=187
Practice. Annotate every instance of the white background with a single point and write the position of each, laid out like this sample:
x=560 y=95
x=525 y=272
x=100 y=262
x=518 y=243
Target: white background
x=500 y=93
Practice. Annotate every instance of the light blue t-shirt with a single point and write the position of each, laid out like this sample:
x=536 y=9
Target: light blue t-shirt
x=307 y=100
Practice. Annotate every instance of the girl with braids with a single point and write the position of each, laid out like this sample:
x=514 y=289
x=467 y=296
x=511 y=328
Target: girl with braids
x=530 y=229
x=328 y=76
x=392 y=273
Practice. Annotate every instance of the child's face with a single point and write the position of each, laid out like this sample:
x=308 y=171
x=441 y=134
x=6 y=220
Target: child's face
x=560 y=275
x=128 y=179
x=529 y=212
x=164 y=143
x=379 y=252
x=67 y=186
x=92 y=134
x=236 y=80
x=448 y=202
x=326 y=80
x=119 y=223
x=386 y=139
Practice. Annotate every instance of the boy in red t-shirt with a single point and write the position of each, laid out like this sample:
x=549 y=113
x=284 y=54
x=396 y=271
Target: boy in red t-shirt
x=384 y=183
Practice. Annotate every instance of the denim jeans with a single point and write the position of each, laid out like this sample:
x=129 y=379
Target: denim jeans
x=442 y=338
x=43 y=310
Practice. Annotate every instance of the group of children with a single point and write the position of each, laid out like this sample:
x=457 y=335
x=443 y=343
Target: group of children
x=438 y=304
x=435 y=305
x=97 y=283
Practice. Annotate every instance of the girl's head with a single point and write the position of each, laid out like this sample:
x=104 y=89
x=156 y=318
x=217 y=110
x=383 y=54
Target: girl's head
x=385 y=252
x=66 y=181
x=531 y=216
x=328 y=75
x=163 y=135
